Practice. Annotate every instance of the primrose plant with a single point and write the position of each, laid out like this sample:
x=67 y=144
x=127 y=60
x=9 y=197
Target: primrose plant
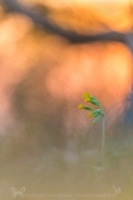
x=96 y=114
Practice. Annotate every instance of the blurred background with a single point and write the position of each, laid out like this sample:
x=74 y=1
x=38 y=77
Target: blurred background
x=47 y=144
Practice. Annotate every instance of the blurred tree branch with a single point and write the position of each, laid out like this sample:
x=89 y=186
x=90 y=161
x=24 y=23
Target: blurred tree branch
x=73 y=37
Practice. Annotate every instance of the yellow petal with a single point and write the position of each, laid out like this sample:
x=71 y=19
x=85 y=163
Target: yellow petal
x=80 y=106
x=87 y=99
x=90 y=115
x=85 y=95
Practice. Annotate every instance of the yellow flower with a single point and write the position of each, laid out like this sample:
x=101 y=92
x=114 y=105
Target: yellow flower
x=85 y=95
x=87 y=99
x=90 y=115
x=80 y=106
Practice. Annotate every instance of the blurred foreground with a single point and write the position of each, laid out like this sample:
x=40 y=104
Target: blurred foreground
x=51 y=165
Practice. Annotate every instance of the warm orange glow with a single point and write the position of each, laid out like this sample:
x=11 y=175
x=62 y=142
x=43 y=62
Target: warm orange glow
x=101 y=69
x=88 y=15
x=65 y=3
x=106 y=71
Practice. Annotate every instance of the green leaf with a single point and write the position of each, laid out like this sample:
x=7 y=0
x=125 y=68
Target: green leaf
x=96 y=119
x=97 y=112
x=88 y=108
x=94 y=101
x=101 y=113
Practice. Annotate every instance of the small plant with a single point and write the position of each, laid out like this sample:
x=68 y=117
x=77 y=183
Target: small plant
x=97 y=114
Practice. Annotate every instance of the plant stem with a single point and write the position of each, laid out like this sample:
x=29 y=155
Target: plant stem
x=103 y=145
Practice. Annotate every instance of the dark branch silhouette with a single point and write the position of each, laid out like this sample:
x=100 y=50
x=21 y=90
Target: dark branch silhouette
x=72 y=36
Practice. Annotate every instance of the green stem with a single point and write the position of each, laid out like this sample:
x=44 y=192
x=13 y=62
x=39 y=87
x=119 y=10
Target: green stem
x=103 y=145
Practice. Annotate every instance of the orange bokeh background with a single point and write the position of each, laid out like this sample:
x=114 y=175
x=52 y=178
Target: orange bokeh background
x=102 y=69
